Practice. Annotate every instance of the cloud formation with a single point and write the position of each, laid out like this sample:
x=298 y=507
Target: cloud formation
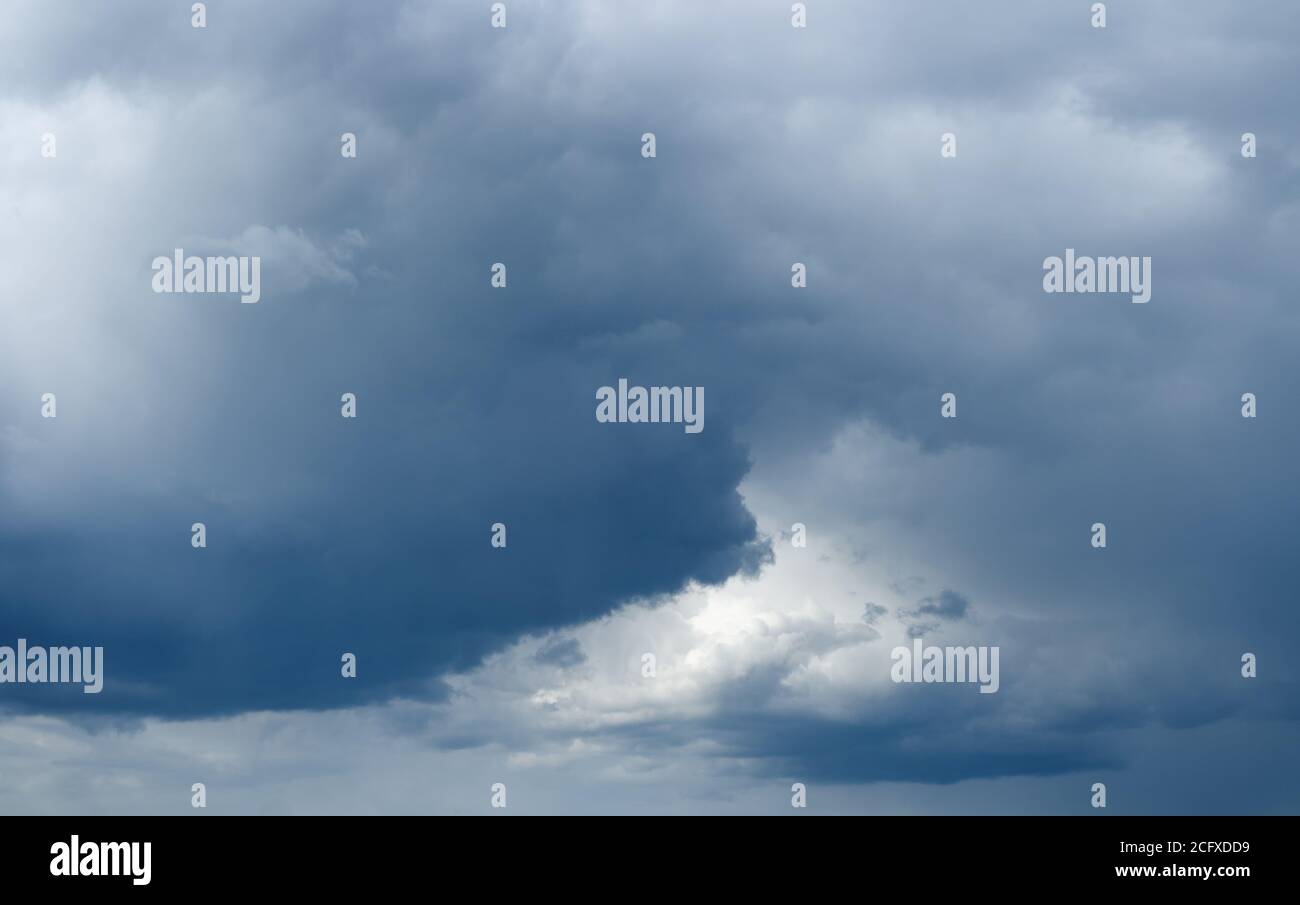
x=475 y=405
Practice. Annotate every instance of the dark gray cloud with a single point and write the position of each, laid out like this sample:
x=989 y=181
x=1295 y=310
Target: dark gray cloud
x=476 y=405
x=562 y=652
x=932 y=612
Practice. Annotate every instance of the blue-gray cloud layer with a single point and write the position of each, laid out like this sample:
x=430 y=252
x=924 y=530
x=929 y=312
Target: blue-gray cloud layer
x=476 y=405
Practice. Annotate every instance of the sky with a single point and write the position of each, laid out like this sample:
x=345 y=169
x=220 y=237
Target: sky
x=525 y=664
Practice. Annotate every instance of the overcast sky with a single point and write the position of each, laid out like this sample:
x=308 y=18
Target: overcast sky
x=774 y=145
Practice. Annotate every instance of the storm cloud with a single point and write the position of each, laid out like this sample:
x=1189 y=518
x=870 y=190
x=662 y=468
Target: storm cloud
x=476 y=404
